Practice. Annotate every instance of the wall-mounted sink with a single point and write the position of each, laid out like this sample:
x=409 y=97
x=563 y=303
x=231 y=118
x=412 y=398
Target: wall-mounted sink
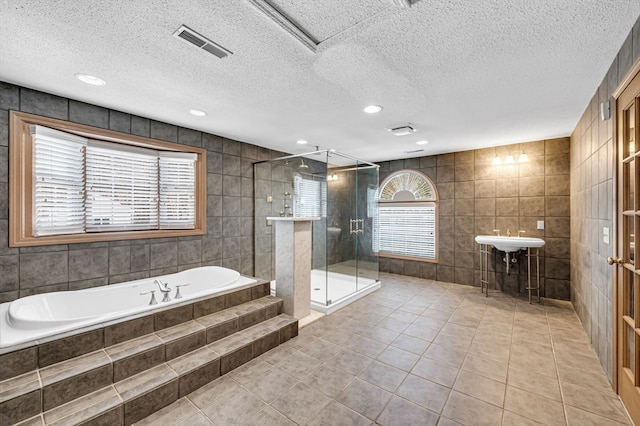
x=509 y=244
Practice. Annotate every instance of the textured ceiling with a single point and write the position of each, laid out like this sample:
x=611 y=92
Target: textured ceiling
x=466 y=74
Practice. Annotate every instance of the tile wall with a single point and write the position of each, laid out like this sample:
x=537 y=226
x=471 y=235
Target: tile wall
x=592 y=199
x=229 y=239
x=476 y=197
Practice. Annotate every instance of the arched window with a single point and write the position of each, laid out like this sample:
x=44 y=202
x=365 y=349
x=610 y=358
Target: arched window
x=407 y=225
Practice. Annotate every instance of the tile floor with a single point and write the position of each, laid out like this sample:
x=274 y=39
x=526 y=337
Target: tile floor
x=417 y=352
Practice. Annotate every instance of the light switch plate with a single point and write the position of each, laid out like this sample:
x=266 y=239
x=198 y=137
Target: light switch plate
x=540 y=224
x=605 y=235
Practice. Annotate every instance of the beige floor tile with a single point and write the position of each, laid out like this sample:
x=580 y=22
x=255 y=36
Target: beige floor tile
x=233 y=407
x=268 y=416
x=197 y=419
x=299 y=365
x=428 y=394
x=398 y=358
x=351 y=362
x=486 y=367
x=209 y=392
x=271 y=384
x=467 y=410
x=301 y=403
x=529 y=380
x=364 y=398
x=383 y=375
x=180 y=410
x=594 y=402
x=248 y=371
x=480 y=387
x=435 y=371
x=534 y=407
x=446 y=354
x=400 y=412
x=578 y=417
x=337 y=414
x=411 y=344
x=328 y=380
x=513 y=419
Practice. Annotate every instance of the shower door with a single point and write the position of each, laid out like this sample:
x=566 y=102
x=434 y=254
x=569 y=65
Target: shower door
x=365 y=209
x=356 y=267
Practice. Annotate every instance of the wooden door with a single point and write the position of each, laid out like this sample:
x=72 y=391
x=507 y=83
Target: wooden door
x=627 y=276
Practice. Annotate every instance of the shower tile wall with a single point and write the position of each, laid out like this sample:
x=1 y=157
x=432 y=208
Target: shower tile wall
x=229 y=239
x=477 y=197
x=592 y=200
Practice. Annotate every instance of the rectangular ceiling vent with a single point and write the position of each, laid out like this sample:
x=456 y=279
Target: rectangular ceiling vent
x=402 y=130
x=189 y=36
x=414 y=151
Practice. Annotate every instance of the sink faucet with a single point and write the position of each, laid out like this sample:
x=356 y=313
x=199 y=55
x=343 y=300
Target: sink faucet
x=521 y=232
x=497 y=231
x=164 y=288
x=508 y=232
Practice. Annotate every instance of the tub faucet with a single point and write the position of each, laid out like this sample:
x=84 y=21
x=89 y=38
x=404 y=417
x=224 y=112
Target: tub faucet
x=164 y=288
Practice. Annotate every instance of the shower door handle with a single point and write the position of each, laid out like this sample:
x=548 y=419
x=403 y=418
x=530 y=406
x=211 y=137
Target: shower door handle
x=361 y=228
x=356 y=226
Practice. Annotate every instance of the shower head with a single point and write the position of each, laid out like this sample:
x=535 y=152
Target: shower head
x=302 y=165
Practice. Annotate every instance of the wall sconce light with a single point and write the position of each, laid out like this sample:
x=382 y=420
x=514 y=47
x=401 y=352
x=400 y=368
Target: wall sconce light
x=510 y=159
x=605 y=110
x=332 y=177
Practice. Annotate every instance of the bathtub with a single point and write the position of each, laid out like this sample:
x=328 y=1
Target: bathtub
x=32 y=319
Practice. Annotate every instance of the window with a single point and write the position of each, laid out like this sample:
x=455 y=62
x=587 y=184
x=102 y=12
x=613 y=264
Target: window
x=406 y=224
x=310 y=196
x=73 y=183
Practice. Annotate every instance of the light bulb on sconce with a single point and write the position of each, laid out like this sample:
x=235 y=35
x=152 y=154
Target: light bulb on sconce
x=509 y=159
x=496 y=161
x=523 y=157
x=332 y=177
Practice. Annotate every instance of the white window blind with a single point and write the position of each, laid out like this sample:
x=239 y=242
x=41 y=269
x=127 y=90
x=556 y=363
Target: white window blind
x=177 y=190
x=406 y=230
x=310 y=196
x=122 y=187
x=59 y=184
x=85 y=185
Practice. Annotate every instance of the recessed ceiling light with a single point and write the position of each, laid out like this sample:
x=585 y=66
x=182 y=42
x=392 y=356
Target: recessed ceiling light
x=373 y=109
x=197 y=112
x=422 y=142
x=91 y=79
x=302 y=142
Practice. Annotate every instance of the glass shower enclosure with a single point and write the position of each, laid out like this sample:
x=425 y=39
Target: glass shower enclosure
x=339 y=189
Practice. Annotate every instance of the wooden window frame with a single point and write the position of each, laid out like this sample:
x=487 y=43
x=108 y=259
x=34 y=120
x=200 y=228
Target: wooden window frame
x=21 y=185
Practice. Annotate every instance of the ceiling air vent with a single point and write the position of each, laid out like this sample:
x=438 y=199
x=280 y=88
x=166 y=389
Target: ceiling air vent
x=414 y=151
x=402 y=130
x=188 y=35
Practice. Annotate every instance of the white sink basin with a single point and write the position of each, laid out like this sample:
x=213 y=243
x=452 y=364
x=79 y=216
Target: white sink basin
x=509 y=244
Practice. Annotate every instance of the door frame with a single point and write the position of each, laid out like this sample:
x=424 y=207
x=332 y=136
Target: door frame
x=616 y=251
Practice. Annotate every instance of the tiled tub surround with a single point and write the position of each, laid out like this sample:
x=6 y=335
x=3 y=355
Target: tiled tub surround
x=124 y=372
x=42 y=317
x=229 y=238
x=476 y=197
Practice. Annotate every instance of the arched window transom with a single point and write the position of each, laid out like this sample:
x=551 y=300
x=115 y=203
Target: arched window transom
x=406 y=226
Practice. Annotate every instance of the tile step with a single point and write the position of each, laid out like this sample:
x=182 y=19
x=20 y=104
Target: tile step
x=182 y=370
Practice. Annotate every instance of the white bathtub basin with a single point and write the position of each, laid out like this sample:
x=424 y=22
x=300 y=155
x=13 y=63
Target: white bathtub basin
x=35 y=317
x=509 y=244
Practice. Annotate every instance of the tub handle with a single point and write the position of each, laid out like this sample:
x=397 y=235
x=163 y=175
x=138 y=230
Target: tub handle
x=178 y=295
x=153 y=300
